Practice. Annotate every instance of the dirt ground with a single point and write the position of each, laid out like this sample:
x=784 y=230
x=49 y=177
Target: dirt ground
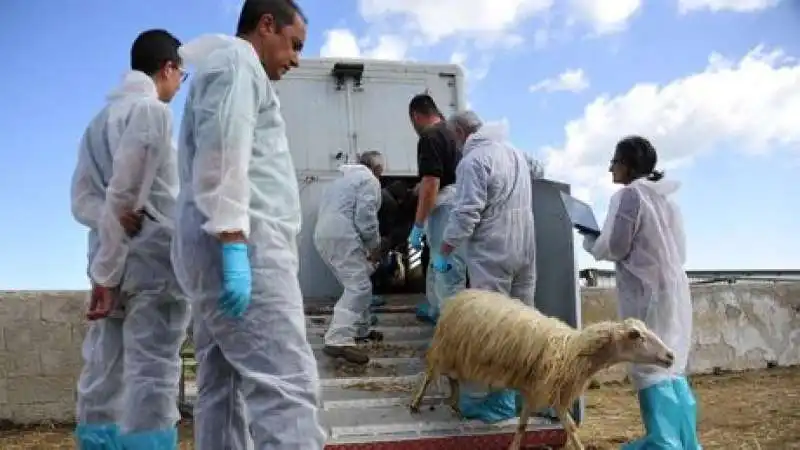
x=747 y=411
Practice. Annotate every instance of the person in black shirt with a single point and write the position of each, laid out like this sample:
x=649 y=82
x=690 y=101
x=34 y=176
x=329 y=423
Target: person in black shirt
x=395 y=218
x=438 y=154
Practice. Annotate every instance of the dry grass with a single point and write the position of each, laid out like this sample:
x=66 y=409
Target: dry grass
x=744 y=411
x=747 y=411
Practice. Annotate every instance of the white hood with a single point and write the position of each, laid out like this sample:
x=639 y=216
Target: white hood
x=134 y=83
x=195 y=51
x=663 y=187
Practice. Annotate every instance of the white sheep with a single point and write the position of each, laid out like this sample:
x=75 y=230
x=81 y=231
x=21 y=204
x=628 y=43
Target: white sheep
x=489 y=338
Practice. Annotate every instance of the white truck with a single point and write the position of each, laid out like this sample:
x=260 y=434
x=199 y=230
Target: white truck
x=334 y=109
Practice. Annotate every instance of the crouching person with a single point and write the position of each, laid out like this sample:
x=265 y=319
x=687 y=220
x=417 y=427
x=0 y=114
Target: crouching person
x=643 y=234
x=124 y=189
x=492 y=220
x=347 y=238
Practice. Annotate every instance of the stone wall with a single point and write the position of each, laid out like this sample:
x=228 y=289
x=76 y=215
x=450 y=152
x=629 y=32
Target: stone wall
x=737 y=327
x=40 y=344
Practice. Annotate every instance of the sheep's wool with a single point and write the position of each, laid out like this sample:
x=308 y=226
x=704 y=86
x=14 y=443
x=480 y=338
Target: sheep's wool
x=498 y=341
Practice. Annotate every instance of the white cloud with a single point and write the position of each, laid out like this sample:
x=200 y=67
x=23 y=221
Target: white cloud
x=572 y=80
x=340 y=43
x=343 y=43
x=475 y=68
x=750 y=105
x=437 y=20
x=604 y=16
x=687 y=6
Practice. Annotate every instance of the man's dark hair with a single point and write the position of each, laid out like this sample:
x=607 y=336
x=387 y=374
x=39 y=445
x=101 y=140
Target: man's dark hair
x=152 y=49
x=283 y=11
x=423 y=104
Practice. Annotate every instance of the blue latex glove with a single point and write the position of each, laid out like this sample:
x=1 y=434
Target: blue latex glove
x=236 y=279
x=441 y=263
x=415 y=238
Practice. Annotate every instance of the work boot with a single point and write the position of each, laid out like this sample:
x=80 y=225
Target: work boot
x=372 y=335
x=349 y=353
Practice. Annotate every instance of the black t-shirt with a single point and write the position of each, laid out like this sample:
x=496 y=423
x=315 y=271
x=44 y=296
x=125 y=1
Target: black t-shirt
x=438 y=154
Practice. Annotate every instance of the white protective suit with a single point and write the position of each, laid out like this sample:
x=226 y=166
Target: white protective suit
x=643 y=234
x=126 y=161
x=237 y=173
x=492 y=215
x=347 y=230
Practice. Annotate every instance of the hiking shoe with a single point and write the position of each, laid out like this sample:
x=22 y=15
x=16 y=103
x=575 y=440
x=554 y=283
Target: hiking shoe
x=375 y=336
x=350 y=354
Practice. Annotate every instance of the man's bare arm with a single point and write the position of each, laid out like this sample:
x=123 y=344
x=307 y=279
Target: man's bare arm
x=428 y=191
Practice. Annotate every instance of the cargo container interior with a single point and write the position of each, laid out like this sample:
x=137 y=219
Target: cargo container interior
x=409 y=277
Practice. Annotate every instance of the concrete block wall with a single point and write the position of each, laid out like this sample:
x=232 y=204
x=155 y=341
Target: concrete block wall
x=40 y=359
x=736 y=327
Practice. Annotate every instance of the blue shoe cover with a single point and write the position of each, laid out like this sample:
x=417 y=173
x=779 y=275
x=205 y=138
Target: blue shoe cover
x=660 y=411
x=495 y=407
x=688 y=420
x=377 y=301
x=424 y=312
x=166 y=439
x=97 y=437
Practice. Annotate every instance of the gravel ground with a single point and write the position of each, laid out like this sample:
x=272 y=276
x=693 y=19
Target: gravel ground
x=745 y=411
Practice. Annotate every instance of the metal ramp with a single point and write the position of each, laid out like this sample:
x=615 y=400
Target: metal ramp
x=365 y=408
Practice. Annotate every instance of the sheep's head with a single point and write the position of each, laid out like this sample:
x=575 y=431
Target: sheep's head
x=633 y=342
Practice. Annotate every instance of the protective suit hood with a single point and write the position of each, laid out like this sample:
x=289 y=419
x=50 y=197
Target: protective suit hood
x=134 y=83
x=662 y=187
x=198 y=49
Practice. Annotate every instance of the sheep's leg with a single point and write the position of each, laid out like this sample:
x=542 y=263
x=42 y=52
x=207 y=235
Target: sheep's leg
x=427 y=377
x=571 y=429
x=524 y=416
x=452 y=400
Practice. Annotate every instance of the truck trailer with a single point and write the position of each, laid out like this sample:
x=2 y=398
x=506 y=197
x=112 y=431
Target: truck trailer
x=334 y=110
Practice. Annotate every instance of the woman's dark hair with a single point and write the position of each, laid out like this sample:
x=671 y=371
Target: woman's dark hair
x=639 y=155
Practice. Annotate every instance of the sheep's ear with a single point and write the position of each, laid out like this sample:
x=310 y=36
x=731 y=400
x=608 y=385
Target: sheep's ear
x=634 y=334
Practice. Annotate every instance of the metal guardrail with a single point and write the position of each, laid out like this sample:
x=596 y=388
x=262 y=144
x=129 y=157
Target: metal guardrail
x=606 y=278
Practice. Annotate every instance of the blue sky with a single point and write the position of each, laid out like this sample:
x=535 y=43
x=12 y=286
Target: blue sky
x=726 y=128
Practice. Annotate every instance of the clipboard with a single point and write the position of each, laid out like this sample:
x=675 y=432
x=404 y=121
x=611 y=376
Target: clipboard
x=581 y=215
